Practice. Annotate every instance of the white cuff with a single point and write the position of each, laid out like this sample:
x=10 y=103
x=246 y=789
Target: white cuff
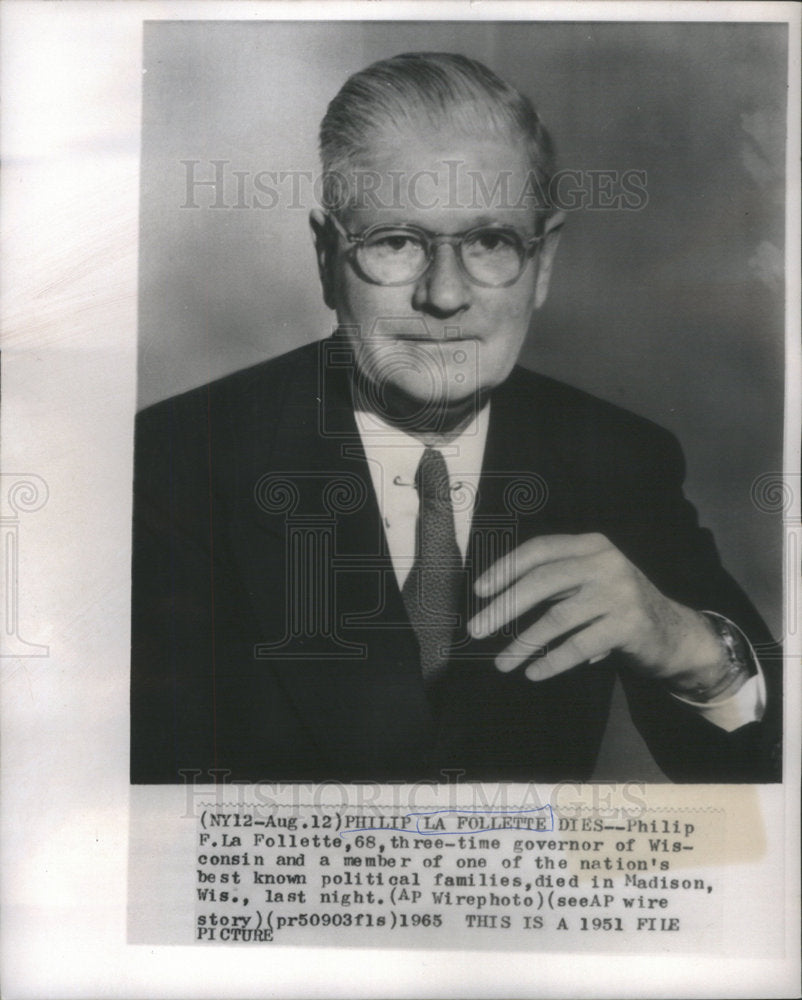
x=747 y=704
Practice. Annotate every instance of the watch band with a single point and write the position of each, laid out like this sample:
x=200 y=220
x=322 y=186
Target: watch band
x=739 y=659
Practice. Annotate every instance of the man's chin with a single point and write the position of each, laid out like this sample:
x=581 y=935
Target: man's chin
x=456 y=399
x=415 y=407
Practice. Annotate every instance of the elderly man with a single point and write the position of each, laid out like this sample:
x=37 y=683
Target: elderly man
x=394 y=554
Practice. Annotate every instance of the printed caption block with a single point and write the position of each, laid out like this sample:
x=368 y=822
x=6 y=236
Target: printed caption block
x=517 y=878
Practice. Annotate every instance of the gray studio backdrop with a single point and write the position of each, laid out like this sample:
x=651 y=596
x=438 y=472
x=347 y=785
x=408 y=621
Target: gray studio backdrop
x=675 y=311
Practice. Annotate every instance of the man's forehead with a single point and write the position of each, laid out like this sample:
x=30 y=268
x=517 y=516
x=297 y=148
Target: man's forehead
x=441 y=172
x=435 y=148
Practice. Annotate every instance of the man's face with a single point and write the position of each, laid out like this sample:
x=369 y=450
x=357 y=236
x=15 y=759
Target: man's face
x=440 y=339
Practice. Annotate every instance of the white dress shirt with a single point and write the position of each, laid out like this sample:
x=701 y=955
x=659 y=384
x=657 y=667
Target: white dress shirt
x=393 y=458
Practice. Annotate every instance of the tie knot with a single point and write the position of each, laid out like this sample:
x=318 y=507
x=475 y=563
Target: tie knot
x=431 y=479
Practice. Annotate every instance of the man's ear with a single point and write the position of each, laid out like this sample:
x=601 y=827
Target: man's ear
x=324 y=249
x=548 y=248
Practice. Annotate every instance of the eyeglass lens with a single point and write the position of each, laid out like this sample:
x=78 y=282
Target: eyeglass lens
x=391 y=256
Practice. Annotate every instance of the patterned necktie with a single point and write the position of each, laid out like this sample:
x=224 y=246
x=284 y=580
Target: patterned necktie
x=431 y=591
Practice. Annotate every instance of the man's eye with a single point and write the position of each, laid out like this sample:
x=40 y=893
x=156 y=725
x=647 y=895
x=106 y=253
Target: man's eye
x=489 y=240
x=395 y=242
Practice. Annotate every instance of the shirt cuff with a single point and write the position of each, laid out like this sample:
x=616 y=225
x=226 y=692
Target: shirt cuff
x=747 y=704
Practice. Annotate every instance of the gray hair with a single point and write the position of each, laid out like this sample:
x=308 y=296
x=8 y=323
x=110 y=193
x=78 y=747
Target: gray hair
x=424 y=88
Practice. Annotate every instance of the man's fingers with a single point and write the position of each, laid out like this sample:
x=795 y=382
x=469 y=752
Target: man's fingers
x=591 y=644
x=568 y=616
x=551 y=582
x=536 y=552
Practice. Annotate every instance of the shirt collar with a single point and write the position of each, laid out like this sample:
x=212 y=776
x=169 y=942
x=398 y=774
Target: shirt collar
x=400 y=453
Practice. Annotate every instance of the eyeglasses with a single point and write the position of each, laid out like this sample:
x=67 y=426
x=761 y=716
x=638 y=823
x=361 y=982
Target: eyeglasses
x=493 y=256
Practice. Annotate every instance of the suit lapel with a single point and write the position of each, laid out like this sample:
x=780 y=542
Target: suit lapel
x=335 y=632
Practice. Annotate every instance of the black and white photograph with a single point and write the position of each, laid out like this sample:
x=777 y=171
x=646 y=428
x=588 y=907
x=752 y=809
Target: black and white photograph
x=391 y=544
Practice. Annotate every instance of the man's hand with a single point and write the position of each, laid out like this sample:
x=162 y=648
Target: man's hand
x=592 y=594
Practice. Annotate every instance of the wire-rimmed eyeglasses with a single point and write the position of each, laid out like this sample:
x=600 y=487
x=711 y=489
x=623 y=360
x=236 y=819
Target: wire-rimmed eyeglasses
x=493 y=256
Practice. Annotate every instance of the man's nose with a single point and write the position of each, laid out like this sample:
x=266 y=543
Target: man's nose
x=443 y=289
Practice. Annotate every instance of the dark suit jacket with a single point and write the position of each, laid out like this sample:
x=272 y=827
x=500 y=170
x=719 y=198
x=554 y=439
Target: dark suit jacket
x=270 y=640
